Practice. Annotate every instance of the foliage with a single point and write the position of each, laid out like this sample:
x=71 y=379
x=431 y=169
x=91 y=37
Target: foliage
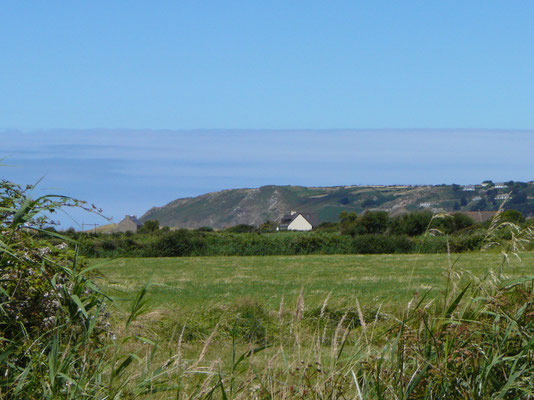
x=200 y=243
x=241 y=228
x=267 y=226
x=412 y=224
x=370 y=222
x=327 y=227
x=51 y=314
x=56 y=340
x=480 y=205
x=175 y=244
x=149 y=226
x=512 y=216
x=348 y=223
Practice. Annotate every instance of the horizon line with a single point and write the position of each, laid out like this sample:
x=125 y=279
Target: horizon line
x=38 y=130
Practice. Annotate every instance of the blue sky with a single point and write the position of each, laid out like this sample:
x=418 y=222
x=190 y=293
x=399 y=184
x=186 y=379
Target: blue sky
x=131 y=104
x=267 y=64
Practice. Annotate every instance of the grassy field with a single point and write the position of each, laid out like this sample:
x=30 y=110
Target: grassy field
x=326 y=326
x=189 y=284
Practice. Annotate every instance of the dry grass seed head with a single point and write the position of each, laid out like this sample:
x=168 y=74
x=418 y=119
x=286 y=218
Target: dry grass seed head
x=281 y=309
x=325 y=303
x=299 y=312
x=339 y=329
x=206 y=345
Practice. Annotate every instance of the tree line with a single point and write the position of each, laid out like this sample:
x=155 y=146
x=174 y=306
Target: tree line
x=372 y=232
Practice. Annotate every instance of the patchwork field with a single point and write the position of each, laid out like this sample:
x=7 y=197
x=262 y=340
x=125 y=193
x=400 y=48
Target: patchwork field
x=189 y=284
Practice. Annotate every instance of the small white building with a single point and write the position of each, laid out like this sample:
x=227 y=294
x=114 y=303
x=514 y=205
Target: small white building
x=476 y=198
x=500 y=185
x=469 y=188
x=425 y=205
x=295 y=221
x=502 y=197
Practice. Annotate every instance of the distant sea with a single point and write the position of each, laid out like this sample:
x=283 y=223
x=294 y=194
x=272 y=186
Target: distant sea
x=129 y=171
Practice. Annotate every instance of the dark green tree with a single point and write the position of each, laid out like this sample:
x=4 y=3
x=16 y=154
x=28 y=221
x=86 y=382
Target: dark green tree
x=513 y=216
x=149 y=226
x=412 y=224
x=374 y=221
x=481 y=205
x=347 y=223
x=462 y=221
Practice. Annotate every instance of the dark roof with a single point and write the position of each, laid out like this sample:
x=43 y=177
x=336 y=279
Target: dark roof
x=310 y=217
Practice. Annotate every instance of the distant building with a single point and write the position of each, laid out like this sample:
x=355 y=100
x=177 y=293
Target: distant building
x=295 y=221
x=502 y=196
x=130 y=223
x=476 y=198
x=469 y=188
x=425 y=205
x=500 y=185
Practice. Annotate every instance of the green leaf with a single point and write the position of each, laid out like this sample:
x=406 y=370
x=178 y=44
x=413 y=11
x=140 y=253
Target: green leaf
x=415 y=381
x=456 y=301
x=80 y=305
x=223 y=392
x=122 y=366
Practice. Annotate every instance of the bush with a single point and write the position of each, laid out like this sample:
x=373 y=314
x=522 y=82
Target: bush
x=381 y=244
x=412 y=224
x=241 y=228
x=370 y=222
x=177 y=244
x=52 y=316
x=149 y=226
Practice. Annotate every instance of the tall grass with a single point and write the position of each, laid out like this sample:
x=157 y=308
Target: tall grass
x=55 y=335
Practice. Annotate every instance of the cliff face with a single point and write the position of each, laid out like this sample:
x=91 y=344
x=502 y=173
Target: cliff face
x=255 y=206
x=225 y=208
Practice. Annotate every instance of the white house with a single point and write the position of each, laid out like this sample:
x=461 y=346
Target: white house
x=502 y=196
x=295 y=221
x=469 y=188
x=500 y=185
x=425 y=205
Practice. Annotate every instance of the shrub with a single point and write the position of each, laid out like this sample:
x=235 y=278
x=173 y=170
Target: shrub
x=176 y=244
x=412 y=224
x=381 y=244
x=241 y=228
x=52 y=316
x=149 y=226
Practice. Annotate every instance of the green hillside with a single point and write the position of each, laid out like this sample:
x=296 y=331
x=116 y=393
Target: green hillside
x=255 y=206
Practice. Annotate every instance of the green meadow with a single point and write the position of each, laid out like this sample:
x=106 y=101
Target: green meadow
x=191 y=283
x=326 y=326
